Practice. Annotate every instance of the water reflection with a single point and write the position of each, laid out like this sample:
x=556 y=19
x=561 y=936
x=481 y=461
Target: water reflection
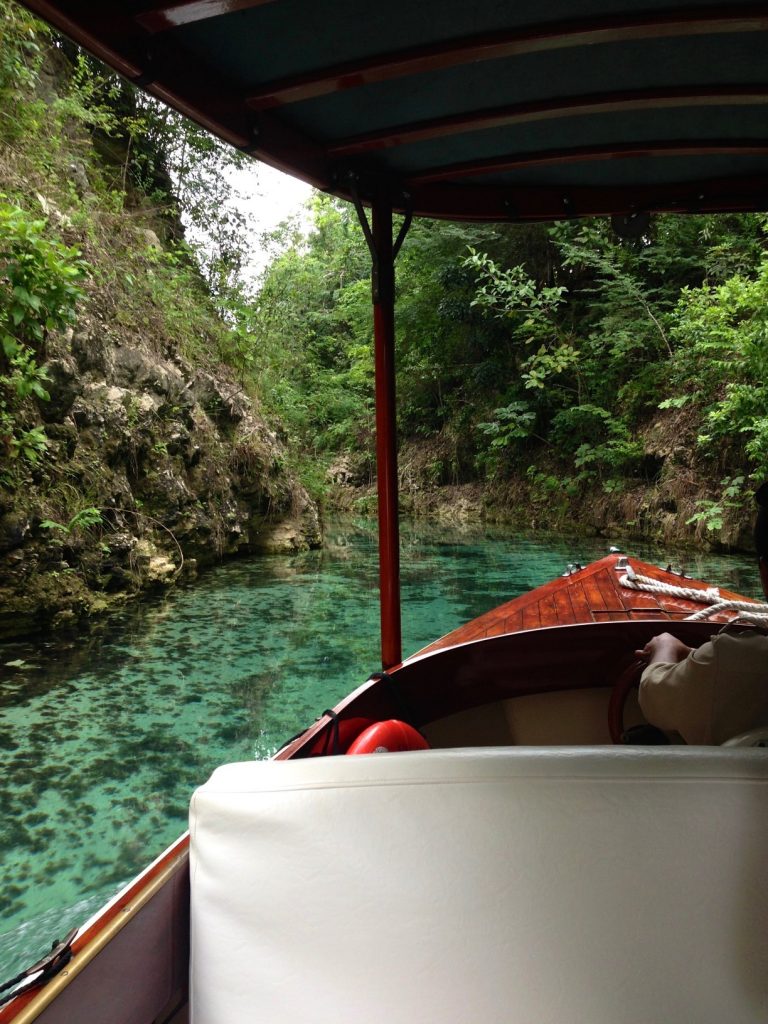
x=102 y=740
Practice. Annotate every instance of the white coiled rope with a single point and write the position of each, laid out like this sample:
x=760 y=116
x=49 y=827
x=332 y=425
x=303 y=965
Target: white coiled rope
x=751 y=610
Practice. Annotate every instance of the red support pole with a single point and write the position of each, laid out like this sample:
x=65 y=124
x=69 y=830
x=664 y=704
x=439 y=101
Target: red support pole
x=386 y=433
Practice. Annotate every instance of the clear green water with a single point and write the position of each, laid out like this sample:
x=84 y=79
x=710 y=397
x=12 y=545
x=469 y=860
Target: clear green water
x=102 y=742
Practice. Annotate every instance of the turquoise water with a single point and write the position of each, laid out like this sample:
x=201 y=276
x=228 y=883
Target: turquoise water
x=102 y=741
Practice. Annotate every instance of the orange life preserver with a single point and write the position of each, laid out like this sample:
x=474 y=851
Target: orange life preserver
x=387 y=737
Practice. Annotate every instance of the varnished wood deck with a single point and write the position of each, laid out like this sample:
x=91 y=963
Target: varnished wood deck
x=591 y=594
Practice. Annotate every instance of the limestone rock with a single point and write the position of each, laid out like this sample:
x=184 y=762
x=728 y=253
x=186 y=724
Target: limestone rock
x=223 y=401
x=79 y=178
x=92 y=351
x=58 y=219
x=154 y=567
x=149 y=238
x=14 y=528
x=144 y=448
x=63 y=386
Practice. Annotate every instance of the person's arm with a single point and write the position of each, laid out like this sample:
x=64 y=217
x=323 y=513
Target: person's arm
x=676 y=687
x=665 y=648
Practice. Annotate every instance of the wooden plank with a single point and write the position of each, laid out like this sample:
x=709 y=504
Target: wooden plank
x=496 y=628
x=642 y=605
x=582 y=609
x=551 y=109
x=564 y=607
x=637 y=150
x=548 y=611
x=514 y=622
x=593 y=595
x=515 y=42
x=531 y=616
x=608 y=584
x=636 y=599
x=475 y=630
x=487 y=202
x=186 y=12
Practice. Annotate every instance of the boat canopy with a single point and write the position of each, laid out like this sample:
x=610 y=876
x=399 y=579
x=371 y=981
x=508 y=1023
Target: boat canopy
x=488 y=110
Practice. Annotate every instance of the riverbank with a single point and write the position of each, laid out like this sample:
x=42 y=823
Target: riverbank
x=68 y=582
x=677 y=501
x=643 y=514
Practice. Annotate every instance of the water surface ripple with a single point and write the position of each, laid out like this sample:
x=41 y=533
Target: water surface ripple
x=102 y=741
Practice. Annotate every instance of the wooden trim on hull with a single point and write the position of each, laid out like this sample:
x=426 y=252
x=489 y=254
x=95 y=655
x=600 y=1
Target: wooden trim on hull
x=591 y=594
x=95 y=1000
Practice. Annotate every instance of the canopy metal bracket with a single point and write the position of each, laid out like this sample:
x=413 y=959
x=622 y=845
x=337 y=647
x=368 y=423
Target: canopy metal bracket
x=376 y=264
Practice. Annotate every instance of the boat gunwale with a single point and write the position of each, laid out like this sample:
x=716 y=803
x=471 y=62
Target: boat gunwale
x=100 y=929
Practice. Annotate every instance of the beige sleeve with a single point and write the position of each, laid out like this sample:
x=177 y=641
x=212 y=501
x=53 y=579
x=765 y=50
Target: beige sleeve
x=677 y=697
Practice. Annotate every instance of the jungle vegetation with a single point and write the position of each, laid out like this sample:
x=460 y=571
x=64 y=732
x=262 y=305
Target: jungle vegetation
x=540 y=353
x=534 y=351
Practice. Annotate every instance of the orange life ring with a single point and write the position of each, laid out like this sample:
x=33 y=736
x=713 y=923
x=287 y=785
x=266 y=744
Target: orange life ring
x=387 y=737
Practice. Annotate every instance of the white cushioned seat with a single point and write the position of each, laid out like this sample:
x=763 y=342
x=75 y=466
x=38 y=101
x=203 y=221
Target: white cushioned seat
x=502 y=886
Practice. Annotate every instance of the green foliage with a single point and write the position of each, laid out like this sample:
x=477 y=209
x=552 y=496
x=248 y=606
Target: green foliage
x=722 y=357
x=513 y=422
x=532 y=309
x=620 y=454
x=679 y=401
x=83 y=519
x=512 y=293
x=169 y=163
x=40 y=280
x=27 y=445
x=39 y=291
x=153 y=157
x=510 y=338
x=312 y=333
x=23 y=379
x=598 y=442
x=622 y=328
x=711 y=514
x=513 y=340
x=22 y=39
x=546 y=488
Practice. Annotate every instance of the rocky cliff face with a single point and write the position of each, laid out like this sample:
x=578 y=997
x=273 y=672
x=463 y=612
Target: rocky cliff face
x=152 y=458
x=154 y=468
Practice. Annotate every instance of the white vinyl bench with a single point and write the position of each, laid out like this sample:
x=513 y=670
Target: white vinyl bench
x=483 y=886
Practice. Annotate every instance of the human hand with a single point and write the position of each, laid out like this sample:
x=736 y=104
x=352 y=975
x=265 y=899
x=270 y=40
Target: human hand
x=664 y=647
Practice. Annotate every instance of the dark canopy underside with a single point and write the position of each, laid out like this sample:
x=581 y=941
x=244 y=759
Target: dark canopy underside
x=466 y=109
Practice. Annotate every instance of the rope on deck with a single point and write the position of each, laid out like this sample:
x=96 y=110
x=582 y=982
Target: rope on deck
x=753 y=611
